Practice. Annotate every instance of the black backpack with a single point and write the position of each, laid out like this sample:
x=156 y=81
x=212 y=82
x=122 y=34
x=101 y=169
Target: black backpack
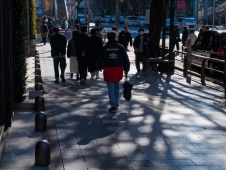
x=44 y=28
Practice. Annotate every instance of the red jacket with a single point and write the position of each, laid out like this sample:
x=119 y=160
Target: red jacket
x=115 y=60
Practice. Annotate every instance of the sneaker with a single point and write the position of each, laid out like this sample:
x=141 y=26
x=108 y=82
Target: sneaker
x=97 y=77
x=57 y=81
x=63 y=79
x=82 y=81
x=112 y=110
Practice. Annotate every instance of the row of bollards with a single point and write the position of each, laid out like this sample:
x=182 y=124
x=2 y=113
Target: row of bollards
x=42 y=148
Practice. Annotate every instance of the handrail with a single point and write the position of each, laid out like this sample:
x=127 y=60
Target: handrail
x=203 y=66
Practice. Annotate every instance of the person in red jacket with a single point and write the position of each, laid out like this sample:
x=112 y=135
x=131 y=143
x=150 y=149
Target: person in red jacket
x=115 y=61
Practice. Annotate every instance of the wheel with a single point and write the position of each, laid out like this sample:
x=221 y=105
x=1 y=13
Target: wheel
x=211 y=65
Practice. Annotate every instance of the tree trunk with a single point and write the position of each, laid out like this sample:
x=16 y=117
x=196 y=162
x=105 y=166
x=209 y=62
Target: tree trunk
x=156 y=14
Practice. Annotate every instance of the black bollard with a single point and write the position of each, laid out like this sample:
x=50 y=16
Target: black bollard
x=37 y=65
x=39 y=104
x=38 y=86
x=37 y=71
x=38 y=79
x=42 y=153
x=36 y=57
x=40 y=122
x=36 y=61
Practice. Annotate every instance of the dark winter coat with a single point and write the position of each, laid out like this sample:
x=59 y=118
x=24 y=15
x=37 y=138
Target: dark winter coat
x=176 y=35
x=94 y=53
x=125 y=38
x=136 y=43
x=115 y=60
x=58 y=43
x=82 y=44
x=71 y=48
x=184 y=36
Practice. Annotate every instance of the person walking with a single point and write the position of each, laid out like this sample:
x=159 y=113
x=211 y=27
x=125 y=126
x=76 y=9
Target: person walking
x=71 y=53
x=125 y=37
x=50 y=28
x=58 y=43
x=115 y=60
x=191 y=36
x=94 y=54
x=38 y=31
x=140 y=45
x=82 y=53
x=176 y=35
x=44 y=32
x=184 y=36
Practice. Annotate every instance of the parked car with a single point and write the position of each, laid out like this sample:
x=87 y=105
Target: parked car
x=108 y=18
x=132 y=20
x=121 y=19
x=210 y=44
x=141 y=21
x=168 y=25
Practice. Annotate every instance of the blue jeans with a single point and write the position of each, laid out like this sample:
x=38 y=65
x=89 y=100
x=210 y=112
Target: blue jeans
x=113 y=93
x=62 y=62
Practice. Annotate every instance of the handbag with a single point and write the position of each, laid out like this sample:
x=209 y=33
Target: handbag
x=127 y=87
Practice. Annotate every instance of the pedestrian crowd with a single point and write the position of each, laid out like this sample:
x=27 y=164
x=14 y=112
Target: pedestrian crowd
x=88 y=52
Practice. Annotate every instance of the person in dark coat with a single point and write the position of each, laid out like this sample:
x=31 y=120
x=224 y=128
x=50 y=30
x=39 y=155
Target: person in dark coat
x=94 y=54
x=176 y=35
x=50 y=27
x=125 y=37
x=58 y=43
x=140 y=45
x=115 y=60
x=184 y=37
x=82 y=46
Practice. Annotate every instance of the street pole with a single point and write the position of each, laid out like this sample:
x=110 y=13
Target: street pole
x=116 y=13
x=213 y=12
x=88 y=15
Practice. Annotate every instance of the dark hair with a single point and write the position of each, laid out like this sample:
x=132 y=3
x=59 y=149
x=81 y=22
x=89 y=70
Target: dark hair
x=93 y=32
x=114 y=28
x=141 y=29
x=100 y=28
x=111 y=35
x=74 y=34
x=192 y=31
x=97 y=29
x=77 y=26
x=83 y=28
x=56 y=29
x=207 y=27
x=125 y=26
x=185 y=28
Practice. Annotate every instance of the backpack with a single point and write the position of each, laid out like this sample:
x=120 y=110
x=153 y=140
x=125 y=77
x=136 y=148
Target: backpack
x=44 y=28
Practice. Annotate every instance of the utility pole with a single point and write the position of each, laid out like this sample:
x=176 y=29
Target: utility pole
x=213 y=12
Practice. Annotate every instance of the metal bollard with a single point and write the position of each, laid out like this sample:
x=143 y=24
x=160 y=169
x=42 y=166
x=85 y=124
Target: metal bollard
x=37 y=71
x=38 y=86
x=39 y=104
x=38 y=79
x=42 y=153
x=36 y=61
x=40 y=122
x=37 y=65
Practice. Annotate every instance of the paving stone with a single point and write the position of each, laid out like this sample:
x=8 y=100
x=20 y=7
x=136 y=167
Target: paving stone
x=185 y=162
x=156 y=168
x=129 y=164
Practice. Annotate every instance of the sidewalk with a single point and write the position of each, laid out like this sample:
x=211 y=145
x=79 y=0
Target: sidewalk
x=169 y=124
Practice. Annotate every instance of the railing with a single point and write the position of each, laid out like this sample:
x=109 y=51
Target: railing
x=203 y=59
